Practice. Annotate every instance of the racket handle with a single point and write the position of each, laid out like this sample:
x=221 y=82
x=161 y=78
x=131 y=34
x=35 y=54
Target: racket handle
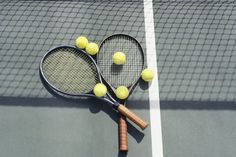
x=133 y=117
x=123 y=135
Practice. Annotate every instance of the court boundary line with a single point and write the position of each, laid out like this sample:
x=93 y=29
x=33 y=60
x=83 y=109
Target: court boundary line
x=154 y=100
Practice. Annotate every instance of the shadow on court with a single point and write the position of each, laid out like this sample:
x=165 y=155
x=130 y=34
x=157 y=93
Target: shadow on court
x=94 y=105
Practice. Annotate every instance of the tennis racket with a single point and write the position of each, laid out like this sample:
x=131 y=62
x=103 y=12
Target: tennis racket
x=71 y=72
x=117 y=75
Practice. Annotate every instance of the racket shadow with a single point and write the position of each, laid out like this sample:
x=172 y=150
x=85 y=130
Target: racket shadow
x=137 y=134
x=96 y=106
x=85 y=102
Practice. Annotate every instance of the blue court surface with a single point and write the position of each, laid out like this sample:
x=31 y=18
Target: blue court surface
x=190 y=105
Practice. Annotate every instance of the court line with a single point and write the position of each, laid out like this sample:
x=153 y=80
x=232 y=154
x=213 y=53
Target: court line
x=154 y=101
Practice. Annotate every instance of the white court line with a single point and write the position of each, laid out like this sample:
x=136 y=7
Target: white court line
x=154 y=101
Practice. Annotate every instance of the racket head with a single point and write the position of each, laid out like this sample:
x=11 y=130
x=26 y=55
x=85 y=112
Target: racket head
x=69 y=71
x=120 y=75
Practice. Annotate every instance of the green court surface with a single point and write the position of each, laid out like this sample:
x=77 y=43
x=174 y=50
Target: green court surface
x=190 y=104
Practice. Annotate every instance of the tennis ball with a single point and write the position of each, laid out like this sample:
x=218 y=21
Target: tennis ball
x=119 y=58
x=122 y=92
x=81 y=42
x=100 y=90
x=147 y=75
x=92 y=48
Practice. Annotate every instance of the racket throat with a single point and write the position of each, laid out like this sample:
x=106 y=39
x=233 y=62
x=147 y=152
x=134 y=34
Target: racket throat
x=116 y=105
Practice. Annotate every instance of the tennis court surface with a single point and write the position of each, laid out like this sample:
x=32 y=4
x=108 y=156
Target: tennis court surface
x=190 y=105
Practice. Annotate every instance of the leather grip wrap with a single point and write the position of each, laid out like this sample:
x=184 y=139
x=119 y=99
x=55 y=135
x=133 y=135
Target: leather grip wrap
x=123 y=134
x=133 y=117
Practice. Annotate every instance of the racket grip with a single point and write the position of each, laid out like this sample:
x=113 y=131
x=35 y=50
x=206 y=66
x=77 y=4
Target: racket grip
x=123 y=135
x=133 y=117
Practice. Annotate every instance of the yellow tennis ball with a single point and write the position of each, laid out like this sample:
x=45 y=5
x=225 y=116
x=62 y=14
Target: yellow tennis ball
x=92 y=48
x=100 y=90
x=147 y=75
x=122 y=92
x=119 y=58
x=81 y=42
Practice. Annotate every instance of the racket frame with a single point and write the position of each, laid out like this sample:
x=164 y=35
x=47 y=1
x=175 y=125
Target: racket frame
x=126 y=112
x=131 y=87
x=88 y=94
x=123 y=136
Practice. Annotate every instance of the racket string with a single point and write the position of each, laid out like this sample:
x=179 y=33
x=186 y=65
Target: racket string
x=125 y=74
x=70 y=71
